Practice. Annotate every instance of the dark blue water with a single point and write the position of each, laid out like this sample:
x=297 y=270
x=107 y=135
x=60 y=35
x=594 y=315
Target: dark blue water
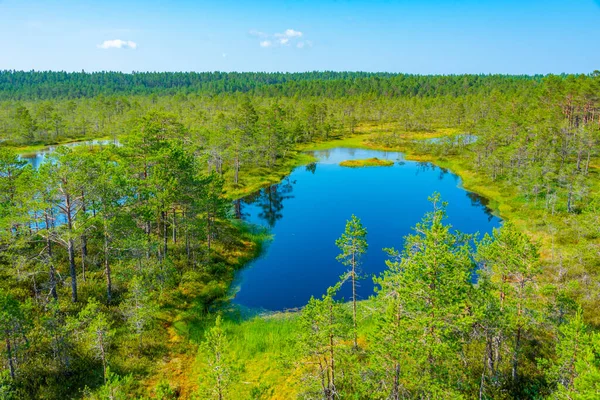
x=307 y=212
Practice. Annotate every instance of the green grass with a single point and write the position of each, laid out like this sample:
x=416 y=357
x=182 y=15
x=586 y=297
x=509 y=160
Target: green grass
x=188 y=310
x=369 y=162
x=255 y=178
x=265 y=358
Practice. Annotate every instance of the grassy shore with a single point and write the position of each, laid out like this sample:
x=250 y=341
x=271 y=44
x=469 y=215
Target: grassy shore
x=255 y=178
x=369 y=162
x=34 y=148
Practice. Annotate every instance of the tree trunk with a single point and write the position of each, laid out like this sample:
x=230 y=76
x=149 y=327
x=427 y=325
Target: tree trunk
x=208 y=231
x=52 y=272
x=71 y=247
x=587 y=163
x=84 y=250
x=236 y=169
x=331 y=354
x=187 y=241
x=11 y=366
x=396 y=388
x=103 y=355
x=165 y=233
x=73 y=271
x=174 y=227
x=238 y=208
x=485 y=362
x=355 y=333
x=148 y=232
x=84 y=253
x=515 y=360
x=107 y=265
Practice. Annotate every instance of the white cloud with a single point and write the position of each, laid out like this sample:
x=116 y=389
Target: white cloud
x=118 y=44
x=292 y=33
x=224 y=55
x=286 y=38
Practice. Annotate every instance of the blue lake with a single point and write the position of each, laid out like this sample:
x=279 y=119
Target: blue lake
x=308 y=210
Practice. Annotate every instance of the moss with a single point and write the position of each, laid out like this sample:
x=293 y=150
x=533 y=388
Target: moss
x=256 y=178
x=369 y=162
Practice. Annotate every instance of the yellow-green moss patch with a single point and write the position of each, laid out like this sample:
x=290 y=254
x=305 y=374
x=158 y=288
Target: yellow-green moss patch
x=369 y=162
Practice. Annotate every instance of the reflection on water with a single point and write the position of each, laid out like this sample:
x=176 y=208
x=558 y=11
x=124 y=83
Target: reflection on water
x=336 y=156
x=308 y=210
x=482 y=202
x=269 y=201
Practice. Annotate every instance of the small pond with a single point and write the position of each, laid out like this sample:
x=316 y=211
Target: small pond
x=308 y=210
x=36 y=158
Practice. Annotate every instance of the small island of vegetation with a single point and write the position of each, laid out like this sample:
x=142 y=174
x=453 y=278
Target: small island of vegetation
x=369 y=162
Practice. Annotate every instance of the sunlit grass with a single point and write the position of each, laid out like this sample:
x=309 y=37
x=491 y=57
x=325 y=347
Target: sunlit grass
x=369 y=162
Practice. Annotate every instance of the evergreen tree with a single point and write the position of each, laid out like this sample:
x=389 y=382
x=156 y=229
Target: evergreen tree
x=353 y=244
x=219 y=366
x=425 y=313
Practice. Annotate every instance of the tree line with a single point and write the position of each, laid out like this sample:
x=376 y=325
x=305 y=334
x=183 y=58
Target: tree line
x=39 y=85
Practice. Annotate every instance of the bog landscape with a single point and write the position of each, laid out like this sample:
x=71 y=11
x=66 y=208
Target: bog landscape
x=298 y=235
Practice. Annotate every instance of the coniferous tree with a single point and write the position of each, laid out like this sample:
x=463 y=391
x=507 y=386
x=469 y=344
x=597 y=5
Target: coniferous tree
x=353 y=244
x=426 y=309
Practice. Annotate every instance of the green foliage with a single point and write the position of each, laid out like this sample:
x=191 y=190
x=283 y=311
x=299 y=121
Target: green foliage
x=219 y=374
x=576 y=370
x=139 y=308
x=96 y=332
x=115 y=388
x=164 y=391
x=107 y=250
x=429 y=293
x=352 y=244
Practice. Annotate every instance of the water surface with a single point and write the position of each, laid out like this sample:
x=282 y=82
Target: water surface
x=37 y=158
x=308 y=210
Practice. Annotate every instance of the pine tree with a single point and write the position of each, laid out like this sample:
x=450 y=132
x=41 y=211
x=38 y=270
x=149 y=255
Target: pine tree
x=424 y=312
x=575 y=372
x=97 y=332
x=512 y=263
x=219 y=366
x=353 y=244
x=323 y=327
x=139 y=308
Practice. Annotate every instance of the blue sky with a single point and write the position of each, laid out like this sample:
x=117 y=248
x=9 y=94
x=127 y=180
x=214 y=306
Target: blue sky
x=426 y=36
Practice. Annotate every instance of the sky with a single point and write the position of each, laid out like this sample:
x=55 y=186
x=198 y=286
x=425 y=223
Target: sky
x=422 y=37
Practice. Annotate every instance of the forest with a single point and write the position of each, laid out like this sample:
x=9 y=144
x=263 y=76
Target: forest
x=117 y=261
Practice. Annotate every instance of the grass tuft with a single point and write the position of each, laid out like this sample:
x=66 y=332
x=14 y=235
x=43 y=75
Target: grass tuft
x=369 y=162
